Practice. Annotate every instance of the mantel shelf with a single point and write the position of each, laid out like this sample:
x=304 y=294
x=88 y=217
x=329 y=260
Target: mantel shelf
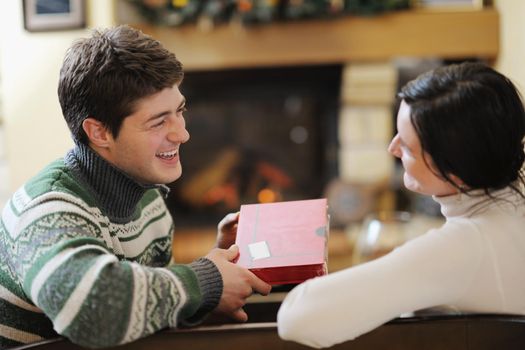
x=415 y=33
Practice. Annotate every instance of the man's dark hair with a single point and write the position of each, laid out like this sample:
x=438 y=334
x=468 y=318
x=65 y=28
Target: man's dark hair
x=470 y=119
x=105 y=75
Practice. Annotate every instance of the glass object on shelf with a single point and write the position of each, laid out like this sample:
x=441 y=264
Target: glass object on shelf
x=383 y=231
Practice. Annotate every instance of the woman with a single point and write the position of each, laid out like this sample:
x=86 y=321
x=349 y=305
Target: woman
x=460 y=139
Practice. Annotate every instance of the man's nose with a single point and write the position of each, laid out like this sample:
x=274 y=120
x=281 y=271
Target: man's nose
x=179 y=134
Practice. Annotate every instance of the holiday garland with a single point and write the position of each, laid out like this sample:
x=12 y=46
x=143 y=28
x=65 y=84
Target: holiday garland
x=214 y=12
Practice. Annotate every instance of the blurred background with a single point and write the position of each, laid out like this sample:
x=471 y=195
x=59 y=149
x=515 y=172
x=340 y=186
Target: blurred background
x=287 y=100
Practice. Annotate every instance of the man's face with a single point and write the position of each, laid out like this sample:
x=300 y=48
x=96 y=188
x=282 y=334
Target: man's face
x=147 y=147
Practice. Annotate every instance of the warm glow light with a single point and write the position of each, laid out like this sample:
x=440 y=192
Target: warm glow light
x=244 y=5
x=266 y=196
x=179 y=3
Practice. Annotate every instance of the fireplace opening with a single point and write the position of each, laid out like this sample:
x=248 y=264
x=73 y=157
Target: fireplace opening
x=257 y=135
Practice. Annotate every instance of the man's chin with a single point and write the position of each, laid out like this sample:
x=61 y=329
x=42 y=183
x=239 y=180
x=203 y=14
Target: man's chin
x=163 y=179
x=170 y=179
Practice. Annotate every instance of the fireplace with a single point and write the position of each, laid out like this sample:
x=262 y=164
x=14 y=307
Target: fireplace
x=257 y=135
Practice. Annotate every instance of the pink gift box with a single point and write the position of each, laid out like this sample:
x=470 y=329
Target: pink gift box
x=284 y=242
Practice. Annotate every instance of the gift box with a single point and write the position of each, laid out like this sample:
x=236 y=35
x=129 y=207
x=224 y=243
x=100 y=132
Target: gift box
x=284 y=242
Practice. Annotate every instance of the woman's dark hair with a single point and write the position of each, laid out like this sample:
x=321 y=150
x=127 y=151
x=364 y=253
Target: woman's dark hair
x=470 y=119
x=104 y=76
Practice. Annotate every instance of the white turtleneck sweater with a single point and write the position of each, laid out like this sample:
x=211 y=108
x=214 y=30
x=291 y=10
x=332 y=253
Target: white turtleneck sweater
x=473 y=263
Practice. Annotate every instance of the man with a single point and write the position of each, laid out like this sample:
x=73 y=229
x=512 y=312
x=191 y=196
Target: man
x=86 y=244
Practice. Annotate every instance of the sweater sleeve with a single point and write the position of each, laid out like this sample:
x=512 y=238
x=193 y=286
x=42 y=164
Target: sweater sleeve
x=97 y=300
x=210 y=286
x=431 y=270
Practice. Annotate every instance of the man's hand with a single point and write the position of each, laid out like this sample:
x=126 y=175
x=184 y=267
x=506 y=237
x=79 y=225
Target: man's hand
x=227 y=230
x=238 y=283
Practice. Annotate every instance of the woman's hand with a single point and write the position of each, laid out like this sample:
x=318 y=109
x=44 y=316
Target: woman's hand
x=227 y=230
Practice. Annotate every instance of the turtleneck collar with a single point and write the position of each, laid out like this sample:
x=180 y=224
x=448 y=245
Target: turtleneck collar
x=476 y=202
x=116 y=192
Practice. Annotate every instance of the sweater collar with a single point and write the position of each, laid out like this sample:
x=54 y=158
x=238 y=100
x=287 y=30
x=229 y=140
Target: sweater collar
x=477 y=201
x=116 y=192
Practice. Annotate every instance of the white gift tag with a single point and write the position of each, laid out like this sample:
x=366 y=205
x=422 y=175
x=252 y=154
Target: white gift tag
x=259 y=250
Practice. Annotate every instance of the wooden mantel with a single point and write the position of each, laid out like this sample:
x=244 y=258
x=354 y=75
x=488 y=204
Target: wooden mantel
x=414 y=33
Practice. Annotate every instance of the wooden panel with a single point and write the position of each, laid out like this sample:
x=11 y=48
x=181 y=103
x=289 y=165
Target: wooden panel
x=480 y=332
x=417 y=33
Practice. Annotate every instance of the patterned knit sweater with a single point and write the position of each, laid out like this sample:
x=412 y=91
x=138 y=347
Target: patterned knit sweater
x=85 y=253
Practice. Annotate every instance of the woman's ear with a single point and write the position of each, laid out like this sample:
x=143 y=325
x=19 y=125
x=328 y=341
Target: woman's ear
x=458 y=182
x=96 y=132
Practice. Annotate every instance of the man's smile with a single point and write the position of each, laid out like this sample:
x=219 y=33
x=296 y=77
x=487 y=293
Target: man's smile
x=168 y=155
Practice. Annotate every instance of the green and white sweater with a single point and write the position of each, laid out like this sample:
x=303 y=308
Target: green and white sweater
x=85 y=253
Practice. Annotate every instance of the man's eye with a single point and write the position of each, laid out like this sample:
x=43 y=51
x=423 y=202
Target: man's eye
x=159 y=123
x=183 y=109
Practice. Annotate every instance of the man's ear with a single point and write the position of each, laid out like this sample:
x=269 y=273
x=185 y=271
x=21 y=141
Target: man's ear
x=96 y=132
